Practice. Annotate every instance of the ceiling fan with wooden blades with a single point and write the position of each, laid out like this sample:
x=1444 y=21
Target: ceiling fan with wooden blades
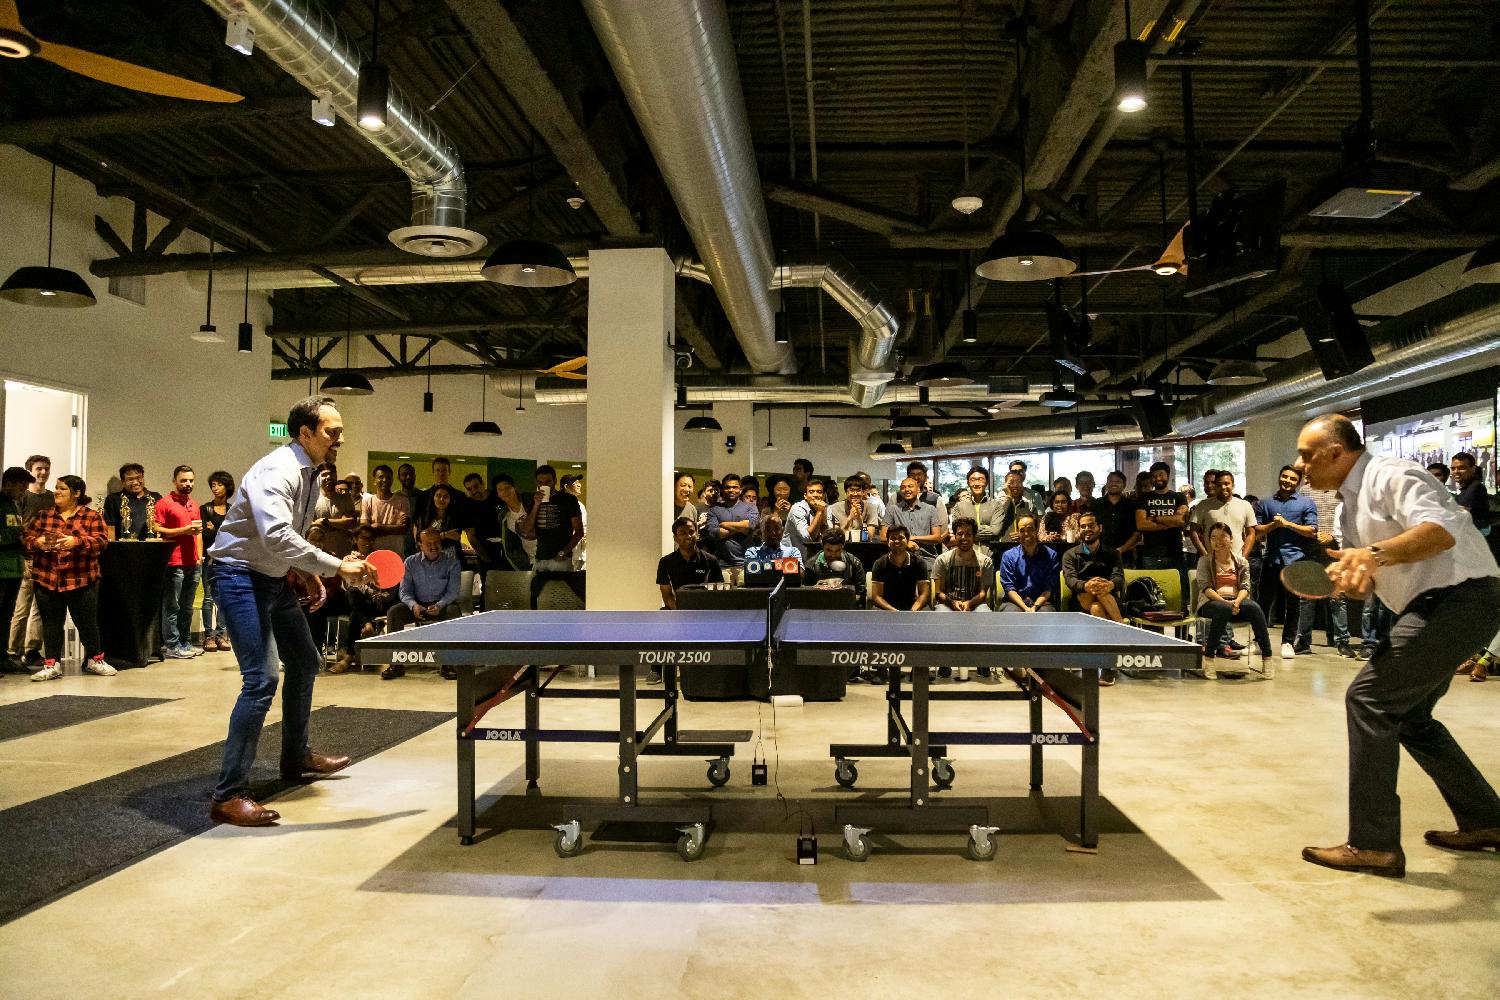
x=567 y=369
x=18 y=43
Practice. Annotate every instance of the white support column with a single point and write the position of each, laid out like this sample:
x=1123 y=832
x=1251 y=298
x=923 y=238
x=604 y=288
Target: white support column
x=1269 y=444
x=630 y=425
x=738 y=421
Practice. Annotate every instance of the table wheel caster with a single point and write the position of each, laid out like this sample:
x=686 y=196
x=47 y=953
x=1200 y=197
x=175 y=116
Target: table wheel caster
x=690 y=844
x=845 y=773
x=981 y=846
x=718 y=772
x=856 y=844
x=942 y=773
x=569 y=840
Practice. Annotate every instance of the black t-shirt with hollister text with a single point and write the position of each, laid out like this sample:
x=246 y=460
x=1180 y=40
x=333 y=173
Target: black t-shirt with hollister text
x=1159 y=505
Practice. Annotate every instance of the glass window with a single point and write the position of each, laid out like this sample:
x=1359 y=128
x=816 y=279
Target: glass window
x=1038 y=466
x=1097 y=461
x=1228 y=454
x=1137 y=460
x=953 y=474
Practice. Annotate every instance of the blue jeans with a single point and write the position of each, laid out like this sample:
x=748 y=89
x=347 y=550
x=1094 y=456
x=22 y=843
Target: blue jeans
x=213 y=624
x=1375 y=622
x=177 y=606
x=1338 y=621
x=265 y=624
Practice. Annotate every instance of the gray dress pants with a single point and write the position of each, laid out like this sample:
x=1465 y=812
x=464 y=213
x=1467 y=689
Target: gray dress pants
x=1389 y=705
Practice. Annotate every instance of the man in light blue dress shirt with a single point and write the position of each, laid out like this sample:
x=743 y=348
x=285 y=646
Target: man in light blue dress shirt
x=260 y=542
x=1406 y=541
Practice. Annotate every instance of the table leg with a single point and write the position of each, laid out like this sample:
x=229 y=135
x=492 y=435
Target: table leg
x=465 y=757
x=919 y=737
x=629 y=779
x=533 y=726
x=1088 y=797
x=1036 y=748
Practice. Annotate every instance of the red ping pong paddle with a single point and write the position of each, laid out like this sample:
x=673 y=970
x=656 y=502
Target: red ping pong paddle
x=1307 y=578
x=389 y=568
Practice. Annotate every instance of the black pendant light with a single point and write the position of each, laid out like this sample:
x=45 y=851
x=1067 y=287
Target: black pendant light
x=520 y=394
x=970 y=317
x=347 y=382
x=53 y=287
x=208 y=333
x=529 y=263
x=427 y=396
x=702 y=422
x=910 y=422
x=806 y=430
x=1130 y=71
x=1023 y=253
x=483 y=425
x=247 y=330
x=374 y=83
x=770 y=444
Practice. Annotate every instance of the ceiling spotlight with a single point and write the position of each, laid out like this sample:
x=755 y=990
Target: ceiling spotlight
x=575 y=202
x=427 y=401
x=322 y=111
x=971 y=327
x=247 y=338
x=1236 y=373
x=783 y=327
x=374 y=93
x=239 y=35
x=967 y=203
x=1173 y=259
x=1484 y=266
x=1130 y=76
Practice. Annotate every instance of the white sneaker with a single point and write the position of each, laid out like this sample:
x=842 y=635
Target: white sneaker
x=50 y=672
x=1288 y=651
x=98 y=666
x=963 y=673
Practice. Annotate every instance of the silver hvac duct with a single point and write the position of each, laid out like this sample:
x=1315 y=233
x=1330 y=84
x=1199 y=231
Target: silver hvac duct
x=766 y=389
x=879 y=328
x=303 y=39
x=1457 y=334
x=1021 y=432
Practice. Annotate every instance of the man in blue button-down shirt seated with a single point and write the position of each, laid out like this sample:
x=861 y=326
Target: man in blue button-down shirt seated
x=1028 y=572
x=429 y=592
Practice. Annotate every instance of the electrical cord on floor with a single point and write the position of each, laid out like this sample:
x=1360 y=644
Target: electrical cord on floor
x=787 y=807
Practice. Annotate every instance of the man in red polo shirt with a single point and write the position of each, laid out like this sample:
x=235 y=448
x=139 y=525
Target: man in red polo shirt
x=180 y=522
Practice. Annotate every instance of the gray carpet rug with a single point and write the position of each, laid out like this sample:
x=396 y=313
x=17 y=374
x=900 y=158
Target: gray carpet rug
x=24 y=718
x=60 y=843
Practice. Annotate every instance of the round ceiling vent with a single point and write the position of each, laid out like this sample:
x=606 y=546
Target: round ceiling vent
x=438 y=241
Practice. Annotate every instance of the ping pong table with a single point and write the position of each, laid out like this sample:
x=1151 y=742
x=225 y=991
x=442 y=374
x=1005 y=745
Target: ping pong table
x=1052 y=657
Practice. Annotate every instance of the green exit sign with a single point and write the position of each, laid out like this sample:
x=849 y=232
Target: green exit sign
x=278 y=431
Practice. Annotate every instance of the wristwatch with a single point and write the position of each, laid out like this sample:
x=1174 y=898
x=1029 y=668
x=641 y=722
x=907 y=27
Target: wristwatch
x=1381 y=557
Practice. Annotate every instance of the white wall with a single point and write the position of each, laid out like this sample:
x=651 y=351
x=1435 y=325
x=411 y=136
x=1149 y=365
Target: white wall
x=155 y=396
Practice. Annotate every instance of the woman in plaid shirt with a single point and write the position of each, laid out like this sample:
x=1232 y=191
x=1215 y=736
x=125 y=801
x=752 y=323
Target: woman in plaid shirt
x=65 y=542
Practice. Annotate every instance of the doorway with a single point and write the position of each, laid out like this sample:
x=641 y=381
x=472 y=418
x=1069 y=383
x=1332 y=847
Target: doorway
x=45 y=420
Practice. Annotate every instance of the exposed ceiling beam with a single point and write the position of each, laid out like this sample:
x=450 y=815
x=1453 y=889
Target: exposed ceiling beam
x=163 y=117
x=1381 y=238
x=444 y=331
x=504 y=211
x=347 y=216
x=409 y=371
x=692 y=331
x=111 y=238
x=164 y=237
x=495 y=34
x=275 y=260
x=360 y=292
x=1265 y=61
x=821 y=201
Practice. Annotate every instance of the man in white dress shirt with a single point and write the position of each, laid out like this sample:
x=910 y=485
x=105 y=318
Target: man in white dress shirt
x=1406 y=540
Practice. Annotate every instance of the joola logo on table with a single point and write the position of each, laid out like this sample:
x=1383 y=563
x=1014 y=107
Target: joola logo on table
x=1138 y=662
x=412 y=656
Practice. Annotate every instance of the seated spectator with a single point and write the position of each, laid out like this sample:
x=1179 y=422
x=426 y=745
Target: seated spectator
x=918 y=471
x=898 y=580
x=684 y=565
x=325 y=603
x=833 y=563
x=923 y=527
x=750 y=494
x=429 y=593
x=964 y=573
x=808 y=519
x=856 y=515
x=1094 y=572
x=367 y=604
x=1059 y=524
x=65 y=541
x=1224 y=596
x=1028 y=572
x=872 y=496
x=773 y=544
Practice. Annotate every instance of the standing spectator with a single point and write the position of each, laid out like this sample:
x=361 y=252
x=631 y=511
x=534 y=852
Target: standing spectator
x=429 y=593
x=26 y=621
x=898 y=580
x=1028 y=572
x=872 y=497
x=574 y=485
x=856 y=515
x=65 y=541
x=501 y=544
x=12 y=489
x=1290 y=523
x=925 y=492
x=130 y=514
x=442 y=515
x=683 y=488
x=1439 y=471
x=808 y=519
x=989 y=514
x=1059 y=524
x=1472 y=495
x=221 y=489
x=920 y=519
x=1017 y=504
x=555 y=521
x=1142 y=486
x=337 y=513
x=1086 y=486
x=1326 y=503
x=781 y=498
x=1220 y=506
x=179 y=521
x=386 y=513
x=1116 y=514
x=1224 y=596
x=442 y=472
x=476 y=510
x=708 y=496
x=731 y=522
x=750 y=492
x=1160 y=517
x=406 y=476
x=802 y=474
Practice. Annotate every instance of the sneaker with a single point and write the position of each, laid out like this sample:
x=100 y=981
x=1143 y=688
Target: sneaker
x=1346 y=650
x=33 y=658
x=1235 y=645
x=983 y=672
x=963 y=674
x=1364 y=652
x=654 y=676
x=50 y=671
x=945 y=671
x=1288 y=651
x=1106 y=678
x=1303 y=648
x=98 y=666
x=177 y=653
x=1210 y=672
x=1228 y=653
x=191 y=651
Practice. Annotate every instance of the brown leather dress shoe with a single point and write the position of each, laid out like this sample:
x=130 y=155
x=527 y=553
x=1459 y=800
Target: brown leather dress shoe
x=314 y=763
x=1465 y=840
x=242 y=810
x=1348 y=858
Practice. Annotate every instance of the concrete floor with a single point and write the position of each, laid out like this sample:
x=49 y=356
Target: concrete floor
x=1211 y=790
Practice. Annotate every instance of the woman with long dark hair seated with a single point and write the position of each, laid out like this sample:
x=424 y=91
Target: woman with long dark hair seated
x=65 y=541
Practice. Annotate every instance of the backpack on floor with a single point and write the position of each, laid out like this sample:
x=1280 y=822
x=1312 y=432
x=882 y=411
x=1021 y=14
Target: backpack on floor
x=1143 y=598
